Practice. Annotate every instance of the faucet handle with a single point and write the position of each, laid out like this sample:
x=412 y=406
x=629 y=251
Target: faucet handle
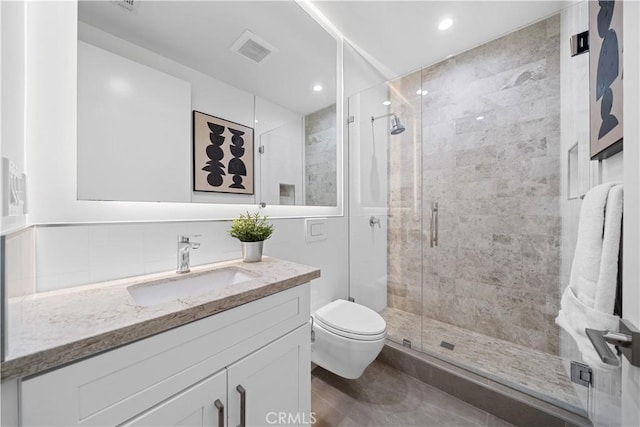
x=184 y=238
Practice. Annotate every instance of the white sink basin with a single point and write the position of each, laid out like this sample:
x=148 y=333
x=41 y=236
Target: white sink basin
x=173 y=289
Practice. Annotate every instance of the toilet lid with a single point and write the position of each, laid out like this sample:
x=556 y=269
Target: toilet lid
x=351 y=317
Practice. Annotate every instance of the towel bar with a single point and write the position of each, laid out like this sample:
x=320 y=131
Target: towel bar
x=627 y=341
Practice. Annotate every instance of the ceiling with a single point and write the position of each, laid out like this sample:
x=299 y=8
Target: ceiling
x=403 y=35
x=396 y=36
x=199 y=34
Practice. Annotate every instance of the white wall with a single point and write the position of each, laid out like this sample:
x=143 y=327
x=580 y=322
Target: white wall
x=20 y=263
x=359 y=74
x=134 y=130
x=12 y=89
x=368 y=182
x=631 y=279
x=605 y=404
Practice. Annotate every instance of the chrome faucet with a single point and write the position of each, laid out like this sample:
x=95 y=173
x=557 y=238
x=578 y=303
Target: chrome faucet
x=184 y=246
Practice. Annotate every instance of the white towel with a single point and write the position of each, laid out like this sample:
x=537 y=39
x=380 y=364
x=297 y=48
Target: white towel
x=588 y=300
x=608 y=277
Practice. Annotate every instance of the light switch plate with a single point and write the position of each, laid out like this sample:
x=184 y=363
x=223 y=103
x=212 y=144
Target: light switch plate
x=315 y=229
x=13 y=189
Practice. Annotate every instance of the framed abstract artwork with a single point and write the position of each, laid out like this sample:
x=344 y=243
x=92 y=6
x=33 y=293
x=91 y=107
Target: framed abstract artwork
x=605 y=77
x=223 y=157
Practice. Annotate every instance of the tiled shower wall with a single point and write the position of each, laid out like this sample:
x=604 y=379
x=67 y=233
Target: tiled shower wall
x=320 y=157
x=490 y=147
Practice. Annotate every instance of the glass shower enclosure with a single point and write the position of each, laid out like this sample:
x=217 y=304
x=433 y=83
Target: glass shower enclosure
x=458 y=224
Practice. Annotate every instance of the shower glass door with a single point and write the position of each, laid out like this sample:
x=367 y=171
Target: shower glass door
x=498 y=223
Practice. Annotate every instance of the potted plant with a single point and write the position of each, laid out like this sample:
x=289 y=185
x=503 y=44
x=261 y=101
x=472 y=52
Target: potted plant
x=252 y=230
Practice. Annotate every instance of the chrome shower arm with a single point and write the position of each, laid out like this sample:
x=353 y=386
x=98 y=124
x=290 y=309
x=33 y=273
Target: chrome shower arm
x=373 y=119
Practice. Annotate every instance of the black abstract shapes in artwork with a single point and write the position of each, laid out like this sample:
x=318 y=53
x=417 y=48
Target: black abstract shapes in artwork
x=608 y=66
x=215 y=154
x=609 y=121
x=236 y=166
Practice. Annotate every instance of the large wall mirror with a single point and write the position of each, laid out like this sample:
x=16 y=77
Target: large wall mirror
x=263 y=75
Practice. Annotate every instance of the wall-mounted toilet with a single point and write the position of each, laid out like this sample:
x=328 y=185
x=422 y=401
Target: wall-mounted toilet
x=348 y=337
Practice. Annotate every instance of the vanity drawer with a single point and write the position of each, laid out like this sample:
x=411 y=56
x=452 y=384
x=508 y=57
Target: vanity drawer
x=110 y=388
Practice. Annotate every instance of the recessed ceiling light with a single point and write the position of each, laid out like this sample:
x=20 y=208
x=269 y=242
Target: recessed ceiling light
x=422 y=92
x=480 y=118
x=120 y=85
x=445 y=24
x=386 y=103
x=317 y=88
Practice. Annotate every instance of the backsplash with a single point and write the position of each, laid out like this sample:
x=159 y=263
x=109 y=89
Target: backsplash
x=80 y=254
x=76 y=255
x=20 y=263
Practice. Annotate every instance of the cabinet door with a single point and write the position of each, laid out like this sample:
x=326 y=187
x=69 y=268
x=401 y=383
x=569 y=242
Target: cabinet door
x=203 y=404
x=275 y=381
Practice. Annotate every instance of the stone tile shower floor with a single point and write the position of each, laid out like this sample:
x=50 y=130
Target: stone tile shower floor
x=542 y=375
x=384 y=396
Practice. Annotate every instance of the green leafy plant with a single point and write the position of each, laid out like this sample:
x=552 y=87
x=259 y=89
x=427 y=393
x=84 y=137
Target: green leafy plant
x=251 y=228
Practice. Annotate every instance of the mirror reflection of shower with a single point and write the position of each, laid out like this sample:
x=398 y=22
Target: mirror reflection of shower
x=396 y=126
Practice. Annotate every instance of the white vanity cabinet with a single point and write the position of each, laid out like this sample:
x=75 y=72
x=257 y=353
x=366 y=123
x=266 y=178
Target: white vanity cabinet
x=202 y=404
x=187 y=375
x=271 y=385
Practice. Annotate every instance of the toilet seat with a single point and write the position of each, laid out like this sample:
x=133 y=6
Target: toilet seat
x=351 y=320
x=351 y=336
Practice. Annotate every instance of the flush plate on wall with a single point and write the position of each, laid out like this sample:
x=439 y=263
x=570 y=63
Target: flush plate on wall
x=315 y=229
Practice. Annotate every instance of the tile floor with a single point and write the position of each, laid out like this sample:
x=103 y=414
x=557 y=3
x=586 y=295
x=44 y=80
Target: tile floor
x=384 y=396
x=541 y=374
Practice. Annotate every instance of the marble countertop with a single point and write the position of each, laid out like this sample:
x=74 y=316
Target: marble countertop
x=50 y=329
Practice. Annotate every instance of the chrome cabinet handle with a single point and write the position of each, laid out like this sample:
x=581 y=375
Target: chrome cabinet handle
x=220 y=406
x=433 y=241
x=243 y=406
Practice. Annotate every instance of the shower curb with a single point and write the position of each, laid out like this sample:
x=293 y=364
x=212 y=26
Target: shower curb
x=504 y=402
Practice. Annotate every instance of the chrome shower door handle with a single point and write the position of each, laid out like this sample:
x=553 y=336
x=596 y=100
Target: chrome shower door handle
x=433 y=238
x=600 y=345
x=220 y=407
x=627 y=341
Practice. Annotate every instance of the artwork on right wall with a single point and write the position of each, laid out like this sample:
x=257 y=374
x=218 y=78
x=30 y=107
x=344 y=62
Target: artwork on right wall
x=605 y=77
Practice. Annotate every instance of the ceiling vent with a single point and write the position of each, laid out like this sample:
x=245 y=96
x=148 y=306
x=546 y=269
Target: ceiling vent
x=130 y=5
x=253 y=47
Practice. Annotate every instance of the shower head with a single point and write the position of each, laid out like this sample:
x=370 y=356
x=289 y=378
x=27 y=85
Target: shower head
x=396 y=126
